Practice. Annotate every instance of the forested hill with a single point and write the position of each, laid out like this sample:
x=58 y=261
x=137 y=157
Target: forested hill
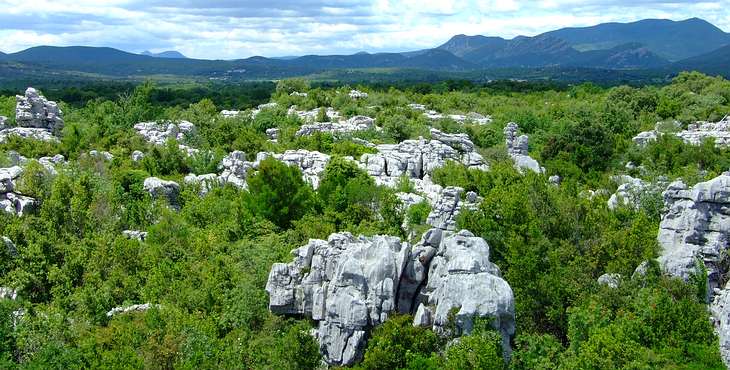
x=652 y=46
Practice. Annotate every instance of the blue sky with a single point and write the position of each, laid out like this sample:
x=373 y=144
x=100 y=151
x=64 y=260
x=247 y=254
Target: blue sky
x=228 y=29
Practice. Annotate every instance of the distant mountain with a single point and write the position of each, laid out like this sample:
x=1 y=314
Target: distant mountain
x=638 y=46
x=171 y=54
x=716 y=62
x=462 y=45
x=669 y=39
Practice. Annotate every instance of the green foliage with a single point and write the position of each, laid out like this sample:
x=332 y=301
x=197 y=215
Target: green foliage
x=278 y=193
x=397 y=344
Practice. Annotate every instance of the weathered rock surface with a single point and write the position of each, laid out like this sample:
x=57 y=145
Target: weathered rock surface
x=698 y=132
x=3 y=121
x=354 y=124
x=10 y=200
x=517 y=148
x=310 y=116
x=8 y=293
x=349 y=285
x=161 y=189
x=35 y=111
x=158 y=133
x=629 y=192
x=447 y=206
x=137 y=156
x=471 y=117
x=103 y=155
x=206 y=182
x=696 y=229
x=644 y=138
x=312 y=164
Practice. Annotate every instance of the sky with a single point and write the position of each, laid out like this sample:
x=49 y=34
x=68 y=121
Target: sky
x=228 y=29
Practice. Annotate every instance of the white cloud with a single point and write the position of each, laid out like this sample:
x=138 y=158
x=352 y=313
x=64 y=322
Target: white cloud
x=241 y=28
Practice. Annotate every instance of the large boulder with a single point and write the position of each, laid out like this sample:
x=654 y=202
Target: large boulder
x=350 y=285
x=696 y=229
x=161 y=189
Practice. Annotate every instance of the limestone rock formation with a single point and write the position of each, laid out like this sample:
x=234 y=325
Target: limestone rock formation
x=350 y=285
x=696 y=229
x=417 y=159
x=157 y=133
x=36 y=118
x=235 y=169
x=517 y=149
x=10 y=200
x=700 y=131
x=161 y=189
x=8 y=293
x=33 y=110
x=312 y=164
x=354 y=124
x=310 y=116
x=137 y=156
x=644 y=138
x=205 y=182
x=471 y=117
x=103 y=155
x=10 y=248
x=447 y=206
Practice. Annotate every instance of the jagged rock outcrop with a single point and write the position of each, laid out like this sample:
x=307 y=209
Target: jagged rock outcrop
x=157 y=133
x=310 y=116
x=135 y=235
x=471 y=117
x=235 y=167
x=417 y=159
x=36 y=118
x=700 y=131
x=720 y=316
x=10 y=200
x=695 y=133
x=35 y=111
x=632 y=191
x=354 y=124
x=447 y=206
x=696 y=229
x=135 y=308
x=161 y=189
x=350 y=285
x=517 y=148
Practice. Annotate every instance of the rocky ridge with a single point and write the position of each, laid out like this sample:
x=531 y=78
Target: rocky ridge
x=350 y=285
x=36 y=118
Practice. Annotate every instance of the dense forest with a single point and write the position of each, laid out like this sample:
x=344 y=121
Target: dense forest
x=204 y=265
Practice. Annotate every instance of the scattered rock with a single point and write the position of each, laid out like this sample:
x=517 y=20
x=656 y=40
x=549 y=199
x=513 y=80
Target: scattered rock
x=696 y=229
x=299 y=94
x=8 y=293
x=644 y=138
x=10 y=200
x=700 y=131
x=106 y=156
x=135 y=235
x=312 y=164
x=135 y=308
x=350 y=285
x=610 y=280
x=273 y=134
x=158 y=133
x=629 y=192
x=555 y=180
x=235 y=169
x=161 y=189
x=311 y=115
x=415 y=106
x=230 y=113
x=355 y=94
x=3 y=119
x=354 y=124
x=206 y=182
x=517 y=148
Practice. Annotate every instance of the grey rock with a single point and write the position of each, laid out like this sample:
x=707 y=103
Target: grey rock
x=161 y=189
x=517 y=148
x=457 y=141
x=8 y=177
x=273 y=134
x=3 y=123
x=696 y=229
x=461 y=277
x=235 y=169
x=644 y=138
x=555 y=180
x=447 y=206
x=701 y=131
x=158 y=133
x=610 y=280
x=629 y=192
x=230 y=113
x=206 y=182
x=8 y=293
x=39 y=134
x=17 y=204
x=310 y=116
x=32 y=110
x=354 y=124
x=106 y=156
x=350 y=285
x=356 y=94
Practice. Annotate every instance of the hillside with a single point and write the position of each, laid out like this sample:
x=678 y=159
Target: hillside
x=715 y=62
x=669 y=39
x=171 y=54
